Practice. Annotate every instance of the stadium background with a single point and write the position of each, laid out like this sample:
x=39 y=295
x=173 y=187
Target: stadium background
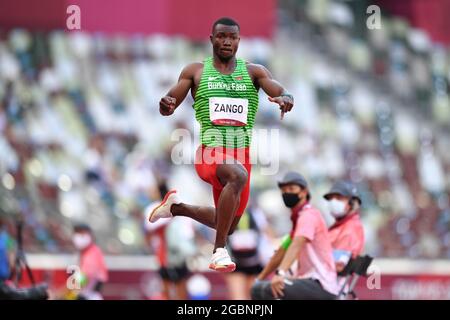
x=82 y=138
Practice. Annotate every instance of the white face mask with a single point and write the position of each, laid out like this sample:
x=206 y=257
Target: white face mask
x=337 y=208
x=81 y=241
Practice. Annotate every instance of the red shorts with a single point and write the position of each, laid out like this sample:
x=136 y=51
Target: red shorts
x=208 y=158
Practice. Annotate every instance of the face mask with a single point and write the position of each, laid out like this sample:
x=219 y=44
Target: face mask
x=290 y=199
x=337 y=208
x=81 y=241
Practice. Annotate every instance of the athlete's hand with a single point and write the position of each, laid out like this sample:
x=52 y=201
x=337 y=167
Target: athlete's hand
x=277 y=286
x=167 y=105
x=285 y=102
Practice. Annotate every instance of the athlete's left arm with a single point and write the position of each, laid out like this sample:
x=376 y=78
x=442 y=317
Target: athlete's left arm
x=276 y=92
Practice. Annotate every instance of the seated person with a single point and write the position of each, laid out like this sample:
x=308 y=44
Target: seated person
x=347 y=233
x=316 y=275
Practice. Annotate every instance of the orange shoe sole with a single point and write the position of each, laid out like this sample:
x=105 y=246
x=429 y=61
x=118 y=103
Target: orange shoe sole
x=163 y=202
x=223 y=269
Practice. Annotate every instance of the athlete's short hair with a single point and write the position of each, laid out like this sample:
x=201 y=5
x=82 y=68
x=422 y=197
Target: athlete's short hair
x=225 y=21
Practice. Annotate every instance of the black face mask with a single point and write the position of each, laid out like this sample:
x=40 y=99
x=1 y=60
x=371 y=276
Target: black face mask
x=290 y=199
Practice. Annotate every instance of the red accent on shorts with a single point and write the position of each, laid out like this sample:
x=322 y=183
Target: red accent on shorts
x=208 y=158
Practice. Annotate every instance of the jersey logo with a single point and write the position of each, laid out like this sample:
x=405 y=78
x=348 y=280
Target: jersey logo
x=212 y=78
x=239 y=78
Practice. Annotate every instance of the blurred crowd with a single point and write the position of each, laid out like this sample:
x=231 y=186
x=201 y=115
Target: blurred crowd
x=82 y=138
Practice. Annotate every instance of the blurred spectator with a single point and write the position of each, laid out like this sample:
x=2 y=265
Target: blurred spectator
x=6 y=252
x=94 y=273
x=172 y=243
x=245 y=244
x=347 y=233
x=7 y=290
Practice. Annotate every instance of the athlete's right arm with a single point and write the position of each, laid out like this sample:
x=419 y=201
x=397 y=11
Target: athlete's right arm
x=177 y=93
x=273 y=263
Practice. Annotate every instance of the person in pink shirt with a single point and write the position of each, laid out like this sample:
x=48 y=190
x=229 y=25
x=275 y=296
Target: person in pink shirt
x=308 y=244
x=347 y=233
x=92 y=263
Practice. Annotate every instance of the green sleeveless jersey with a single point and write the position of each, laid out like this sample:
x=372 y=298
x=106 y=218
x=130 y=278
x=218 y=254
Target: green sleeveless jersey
x=225 y=106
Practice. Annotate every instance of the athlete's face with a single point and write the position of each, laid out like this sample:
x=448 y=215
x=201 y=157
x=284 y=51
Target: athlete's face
x=225 y=41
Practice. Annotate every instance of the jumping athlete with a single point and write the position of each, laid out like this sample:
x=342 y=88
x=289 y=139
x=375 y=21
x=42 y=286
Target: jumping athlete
x=225 y=92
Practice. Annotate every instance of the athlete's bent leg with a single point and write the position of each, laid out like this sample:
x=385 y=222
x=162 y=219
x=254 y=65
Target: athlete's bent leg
x=202 y=214
x=234 y=178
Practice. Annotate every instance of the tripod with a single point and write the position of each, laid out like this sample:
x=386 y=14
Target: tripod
x=20 y=262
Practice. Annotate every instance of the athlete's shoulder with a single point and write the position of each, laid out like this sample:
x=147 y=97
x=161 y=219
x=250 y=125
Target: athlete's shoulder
x=193 y=67
x=252 y=65
x=191 y=70
x=256 y=69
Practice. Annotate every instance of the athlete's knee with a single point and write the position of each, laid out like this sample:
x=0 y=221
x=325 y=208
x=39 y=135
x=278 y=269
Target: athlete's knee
x=239 y=178
x=234 y=176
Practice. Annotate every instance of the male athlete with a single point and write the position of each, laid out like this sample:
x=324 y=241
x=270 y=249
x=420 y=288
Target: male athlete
x=225 y=92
